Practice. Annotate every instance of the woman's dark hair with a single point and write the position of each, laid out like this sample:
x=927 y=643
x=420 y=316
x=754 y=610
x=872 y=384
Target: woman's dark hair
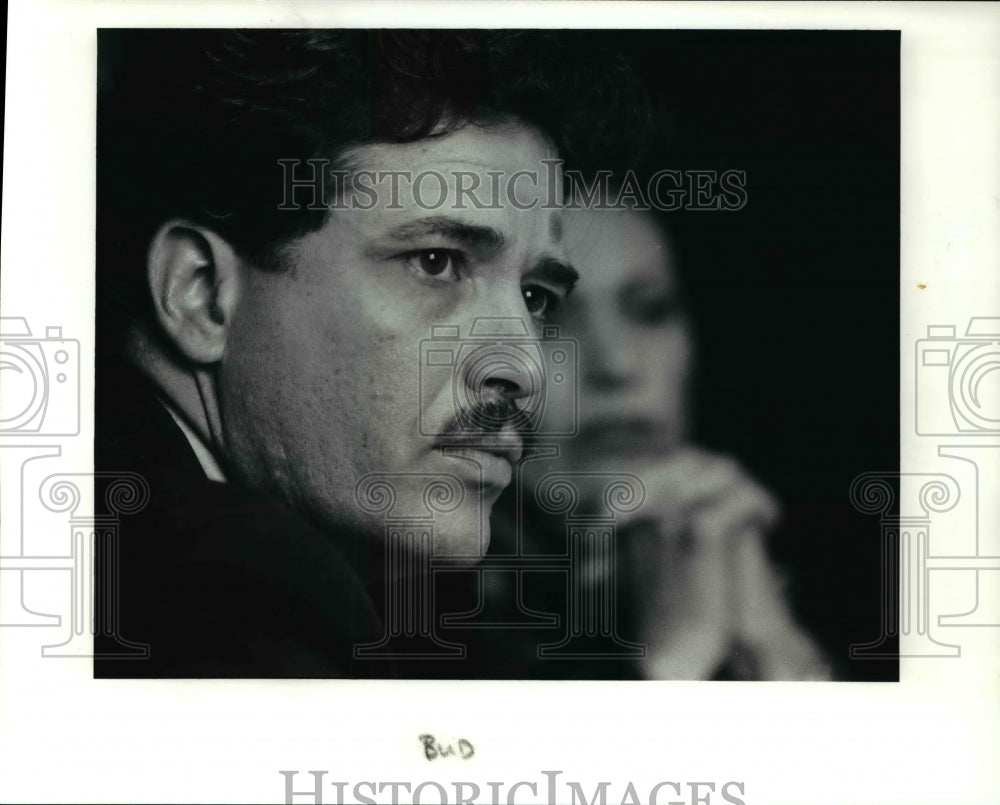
x=192 y=123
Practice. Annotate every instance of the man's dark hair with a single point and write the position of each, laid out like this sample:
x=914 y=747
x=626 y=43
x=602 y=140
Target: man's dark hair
x=191 y=123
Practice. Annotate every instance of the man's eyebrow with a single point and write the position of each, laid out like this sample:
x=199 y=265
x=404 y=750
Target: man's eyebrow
x=474 y=236
x=556 y=271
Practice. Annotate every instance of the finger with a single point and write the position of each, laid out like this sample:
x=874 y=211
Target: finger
x=766 y=624
x=689 y=635
x=690 y=474
x=696 y=480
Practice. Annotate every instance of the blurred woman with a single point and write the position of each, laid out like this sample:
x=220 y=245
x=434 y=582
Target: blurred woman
x=697 y=586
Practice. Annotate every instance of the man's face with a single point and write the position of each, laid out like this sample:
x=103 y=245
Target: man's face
x=321 y=385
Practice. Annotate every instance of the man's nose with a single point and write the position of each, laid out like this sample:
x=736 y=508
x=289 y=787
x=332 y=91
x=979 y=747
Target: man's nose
x=512 y=384
x=506 y=364
x=509 y=371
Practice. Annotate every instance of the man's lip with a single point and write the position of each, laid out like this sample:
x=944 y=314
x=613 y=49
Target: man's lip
x=506 y=445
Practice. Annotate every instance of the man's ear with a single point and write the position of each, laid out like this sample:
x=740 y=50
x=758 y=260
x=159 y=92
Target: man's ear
x=193 y=276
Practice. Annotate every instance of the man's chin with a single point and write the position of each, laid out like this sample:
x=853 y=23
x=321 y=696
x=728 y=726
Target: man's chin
x=453 y=539
x=461 y=539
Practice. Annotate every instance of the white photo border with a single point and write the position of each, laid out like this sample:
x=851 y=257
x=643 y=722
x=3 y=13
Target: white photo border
x=932 y=738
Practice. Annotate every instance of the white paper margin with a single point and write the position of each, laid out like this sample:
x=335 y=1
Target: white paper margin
x=931 y=739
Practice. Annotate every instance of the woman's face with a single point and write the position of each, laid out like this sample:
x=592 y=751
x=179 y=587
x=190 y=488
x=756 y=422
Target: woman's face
x=633 y=341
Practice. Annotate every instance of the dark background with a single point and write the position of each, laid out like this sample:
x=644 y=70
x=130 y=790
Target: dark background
x=795 y=296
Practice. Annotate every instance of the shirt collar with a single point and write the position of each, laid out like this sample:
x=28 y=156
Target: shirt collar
x=205 y=457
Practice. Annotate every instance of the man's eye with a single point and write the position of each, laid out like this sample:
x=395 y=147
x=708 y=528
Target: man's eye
x=444 y=265
x=540 y=301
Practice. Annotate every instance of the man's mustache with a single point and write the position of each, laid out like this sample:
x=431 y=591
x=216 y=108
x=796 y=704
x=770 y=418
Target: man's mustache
x=490 y=417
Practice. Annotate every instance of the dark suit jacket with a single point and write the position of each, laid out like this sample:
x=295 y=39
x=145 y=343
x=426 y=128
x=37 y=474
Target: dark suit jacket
x=216 y=580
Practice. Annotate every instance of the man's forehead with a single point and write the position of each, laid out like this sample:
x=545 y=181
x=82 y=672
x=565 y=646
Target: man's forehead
x=507 y=147
x=506 y=176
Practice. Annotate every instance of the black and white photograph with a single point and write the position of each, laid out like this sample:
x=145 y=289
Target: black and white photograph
x=495 y=354
x=469 y=406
